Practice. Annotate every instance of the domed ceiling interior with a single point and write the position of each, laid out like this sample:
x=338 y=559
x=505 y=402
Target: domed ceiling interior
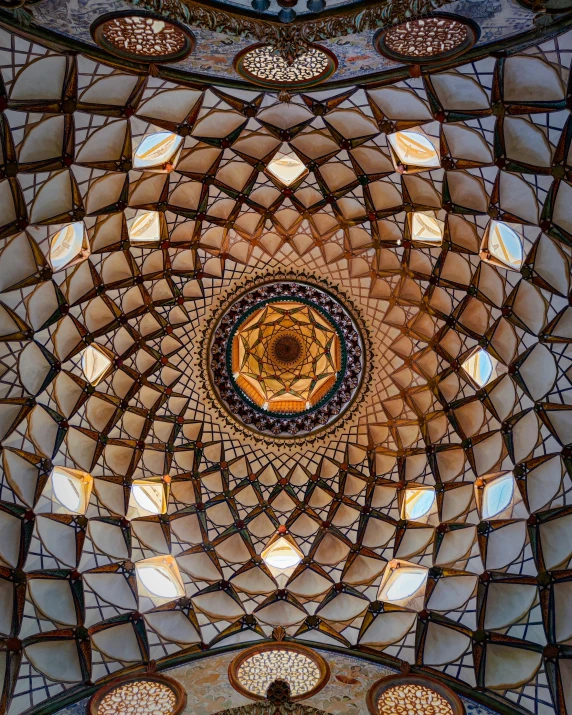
x=286 y=359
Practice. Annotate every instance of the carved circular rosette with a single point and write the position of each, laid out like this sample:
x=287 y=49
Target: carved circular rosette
x=143 y=694
x=434 y=38
x=256 y=668
x=266 y=66
x=143 y=37
x=333 y=409
x=412 y=693
x=287 y=349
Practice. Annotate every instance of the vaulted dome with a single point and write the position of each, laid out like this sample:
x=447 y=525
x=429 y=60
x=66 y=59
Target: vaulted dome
x=286 y=359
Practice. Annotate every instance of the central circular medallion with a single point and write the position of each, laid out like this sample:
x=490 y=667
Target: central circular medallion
x=286 y=349
x=255 y=669
x=263 y=65
x=286 y=358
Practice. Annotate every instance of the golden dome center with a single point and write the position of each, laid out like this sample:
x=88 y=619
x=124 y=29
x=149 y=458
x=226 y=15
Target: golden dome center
x=286 y=356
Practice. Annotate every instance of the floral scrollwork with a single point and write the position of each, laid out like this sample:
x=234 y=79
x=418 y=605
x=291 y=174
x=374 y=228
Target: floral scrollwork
x=291 y=40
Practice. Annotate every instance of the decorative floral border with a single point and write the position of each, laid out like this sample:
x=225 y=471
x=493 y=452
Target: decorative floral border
x=358 y=60
x=293 y=39
x=204 y=678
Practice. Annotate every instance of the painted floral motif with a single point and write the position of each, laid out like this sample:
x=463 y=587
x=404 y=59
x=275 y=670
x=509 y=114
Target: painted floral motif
x=215 y=52
x=209 y=690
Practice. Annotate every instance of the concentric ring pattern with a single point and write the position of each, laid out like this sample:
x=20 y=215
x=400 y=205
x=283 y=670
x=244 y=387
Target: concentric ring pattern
x=285 y=358
x=434 y=522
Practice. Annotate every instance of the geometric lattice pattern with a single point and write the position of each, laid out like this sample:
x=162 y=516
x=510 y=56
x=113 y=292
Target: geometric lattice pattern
x=485 y=601
x=413 y=698
x=260 y=670
x=286 y=355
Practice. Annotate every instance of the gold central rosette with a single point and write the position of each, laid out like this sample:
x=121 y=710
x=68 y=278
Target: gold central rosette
x=286 y=356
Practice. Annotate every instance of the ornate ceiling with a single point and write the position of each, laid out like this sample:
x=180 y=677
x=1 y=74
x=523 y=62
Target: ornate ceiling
x=431 y=523
x=287 y=358
x=219 y=30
